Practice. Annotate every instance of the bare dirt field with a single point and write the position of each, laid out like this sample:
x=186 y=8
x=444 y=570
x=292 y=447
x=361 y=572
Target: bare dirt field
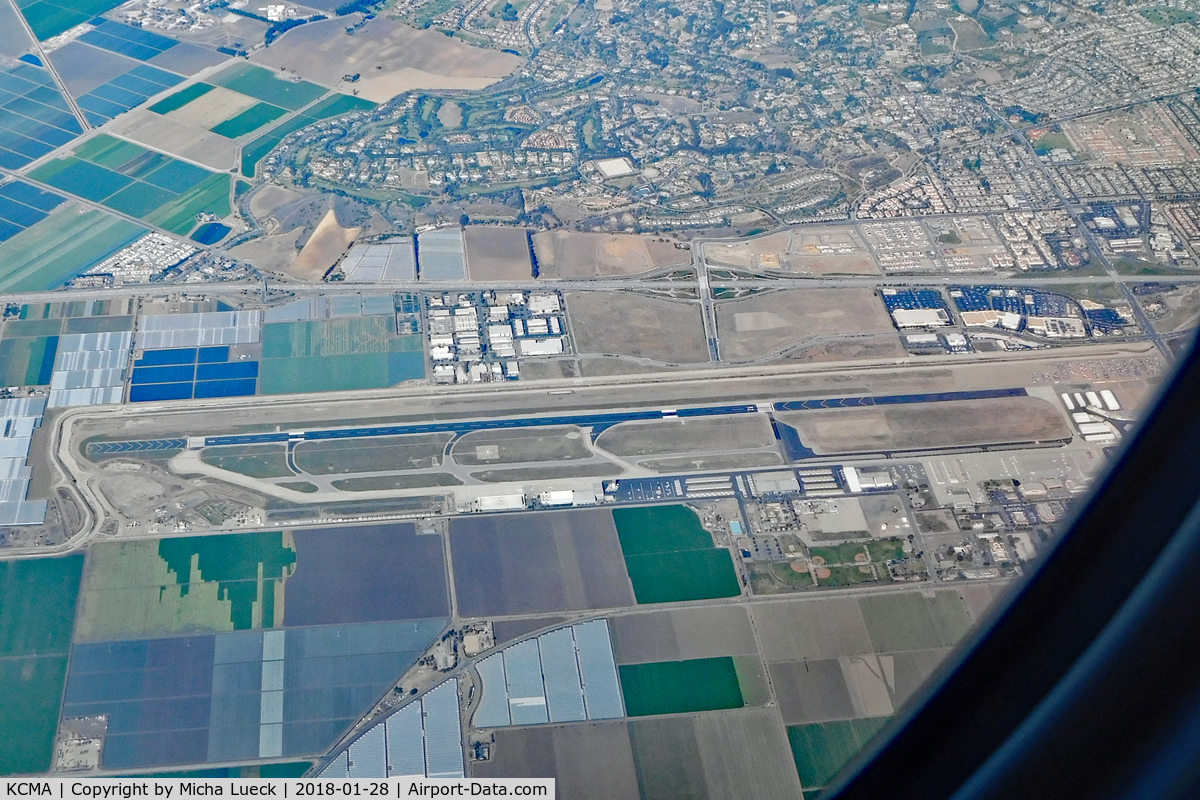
x=271 y=197
x=808 y=629
x=568 y=254
x=324 y=248
x=767 y=323
x=213 y=107
x=848 y=349
x=1183 y=309
x=695 y=463
x=686 y=435
x=926 y=425
x=683 y=634
x=390 y=57
x=593 y=760
x=497 y=254
x=621 y=323
x=275 y=253
x=836 y=250
x=172 y=136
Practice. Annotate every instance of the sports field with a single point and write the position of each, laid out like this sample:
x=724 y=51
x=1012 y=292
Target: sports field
x=60 y=247
x=671 y=558
x=139 y=182
x=677 y=687
x=338 y=355
x=822 y=749
x=37 y=613
x=332 y=106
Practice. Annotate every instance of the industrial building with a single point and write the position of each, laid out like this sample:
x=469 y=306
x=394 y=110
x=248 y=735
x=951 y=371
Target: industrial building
x=89 y=368
x=19 y=417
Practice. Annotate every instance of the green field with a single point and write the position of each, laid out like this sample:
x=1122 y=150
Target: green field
x=34 y=327
x=261 y=84
x=37 y=614
x=1165 y=15
x=254 y=460
x=27 y=361
x=333 y=106
x=249 y=120
x=676 y=687
x=822 y=749
x=181 y=98
x=911 y=621
x=671 y=558
x=139 y=182
x=60 y=247
x=49 y=18
x=338 y=355
x=187 y=584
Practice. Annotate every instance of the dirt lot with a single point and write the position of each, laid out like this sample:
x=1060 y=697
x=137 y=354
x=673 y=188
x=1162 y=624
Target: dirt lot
x=627 y=324
x=687 y=435
x=274 y=253
x=497 y=254
x=172 y=136
x=271 y=197
x=390 y=57
x=770 y=322
x=324 y=248
x=567 y=254
x=925 y=425
x=814 y=251
x=588 y=761
x=848 y=349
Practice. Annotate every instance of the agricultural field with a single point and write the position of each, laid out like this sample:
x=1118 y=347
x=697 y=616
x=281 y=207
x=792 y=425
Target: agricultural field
x=671 y=558
x=821 y=750
x=772 y=322
x=142 y=183
x=496 y=253
x=37 y=612
x=563 y=255
x=739 y=753
x=262 y=85
x=338 y=355
x=678 y=687
x=36 y=120
x=49 y=18
x=390 y=58
x=543 y=562
x=61 y=246
x=27 y=361
x=923 y=425
x=683 y=634
x=627 y=324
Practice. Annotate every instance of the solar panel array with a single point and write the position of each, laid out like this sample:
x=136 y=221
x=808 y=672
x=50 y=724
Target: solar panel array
x=421 y=740
x=566 y=675
x=19 y=417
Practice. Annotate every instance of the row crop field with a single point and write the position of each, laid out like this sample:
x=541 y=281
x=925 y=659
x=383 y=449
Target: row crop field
x=671 y=558
x=61 y=246
x=338 y=355
x=49 y=18
x=141 y=183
